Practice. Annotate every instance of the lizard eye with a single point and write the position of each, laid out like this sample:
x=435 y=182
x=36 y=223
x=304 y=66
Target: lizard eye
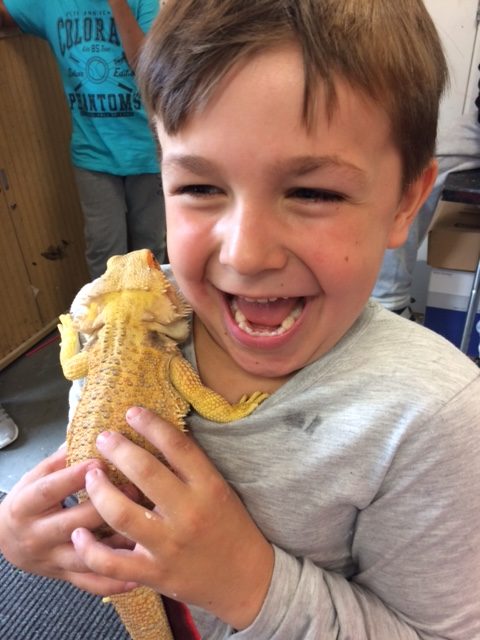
x=156 y=339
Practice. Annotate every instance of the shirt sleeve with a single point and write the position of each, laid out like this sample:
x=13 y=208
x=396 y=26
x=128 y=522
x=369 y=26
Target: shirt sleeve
x=29 y=16
x=416 y=546
x=146 y=13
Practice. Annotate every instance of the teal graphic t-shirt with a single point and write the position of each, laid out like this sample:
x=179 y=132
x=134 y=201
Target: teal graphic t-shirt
x=110 y=131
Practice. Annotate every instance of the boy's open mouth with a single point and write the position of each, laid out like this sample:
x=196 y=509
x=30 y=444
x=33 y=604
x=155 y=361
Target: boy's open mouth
x=265 y=316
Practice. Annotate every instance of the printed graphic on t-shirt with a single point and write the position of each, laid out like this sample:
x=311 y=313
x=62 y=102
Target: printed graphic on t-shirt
x=98 y=79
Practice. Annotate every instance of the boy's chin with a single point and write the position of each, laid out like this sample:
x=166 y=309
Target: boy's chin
x=270 y=362
x=267 y=368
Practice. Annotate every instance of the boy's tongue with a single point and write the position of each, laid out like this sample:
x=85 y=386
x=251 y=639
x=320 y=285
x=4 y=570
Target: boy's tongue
x=267 y=314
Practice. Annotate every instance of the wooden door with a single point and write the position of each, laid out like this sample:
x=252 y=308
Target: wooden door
x=42 y=248
x=19 y=315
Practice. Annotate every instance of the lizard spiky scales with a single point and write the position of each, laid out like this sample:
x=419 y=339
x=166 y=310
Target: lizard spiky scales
x=133 y=319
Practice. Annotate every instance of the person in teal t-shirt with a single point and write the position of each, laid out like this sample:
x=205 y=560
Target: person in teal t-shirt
x=95 y=43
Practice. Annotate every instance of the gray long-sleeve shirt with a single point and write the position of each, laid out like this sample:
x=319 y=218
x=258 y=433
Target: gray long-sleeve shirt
x=363 y=471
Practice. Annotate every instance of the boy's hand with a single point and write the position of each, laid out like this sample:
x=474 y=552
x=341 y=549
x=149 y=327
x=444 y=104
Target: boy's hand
x=199 y=544
x=35 y=530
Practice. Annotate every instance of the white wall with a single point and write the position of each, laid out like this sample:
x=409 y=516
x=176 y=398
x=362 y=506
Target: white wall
x=456 y=21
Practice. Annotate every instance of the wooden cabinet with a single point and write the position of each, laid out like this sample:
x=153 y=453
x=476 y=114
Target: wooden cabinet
x=41 y=225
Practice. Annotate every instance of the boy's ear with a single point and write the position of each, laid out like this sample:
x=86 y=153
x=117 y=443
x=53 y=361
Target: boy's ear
x=411 y=201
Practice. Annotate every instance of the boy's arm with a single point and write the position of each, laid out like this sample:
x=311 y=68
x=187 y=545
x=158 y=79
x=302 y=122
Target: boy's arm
x=35 y=529
x=128 y=28
x=417 y=548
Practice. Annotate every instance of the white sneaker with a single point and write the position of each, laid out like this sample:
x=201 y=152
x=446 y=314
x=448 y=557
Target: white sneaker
x=8 y=429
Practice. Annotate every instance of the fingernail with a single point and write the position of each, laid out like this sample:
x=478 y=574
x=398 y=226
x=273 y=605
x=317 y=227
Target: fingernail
x=103 y=439
x=133 y=413
x=91 y=476
x=76 y=535
x=93 y=464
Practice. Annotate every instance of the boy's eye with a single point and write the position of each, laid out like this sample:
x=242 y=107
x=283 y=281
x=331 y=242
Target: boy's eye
x=315 y=195
x=197 y=190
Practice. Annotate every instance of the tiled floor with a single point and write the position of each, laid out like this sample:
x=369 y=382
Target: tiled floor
x=35 y=394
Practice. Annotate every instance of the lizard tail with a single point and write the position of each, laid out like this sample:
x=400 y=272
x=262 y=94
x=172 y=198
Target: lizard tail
x=143 y=614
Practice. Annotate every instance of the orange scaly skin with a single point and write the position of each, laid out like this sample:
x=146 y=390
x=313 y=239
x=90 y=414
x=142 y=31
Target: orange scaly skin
x=134 y=319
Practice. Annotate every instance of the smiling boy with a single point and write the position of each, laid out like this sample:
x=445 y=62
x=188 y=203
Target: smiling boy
x=347 y=506
x=279 y=230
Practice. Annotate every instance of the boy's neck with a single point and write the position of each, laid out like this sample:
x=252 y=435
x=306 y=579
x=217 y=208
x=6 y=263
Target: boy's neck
x=219 y=372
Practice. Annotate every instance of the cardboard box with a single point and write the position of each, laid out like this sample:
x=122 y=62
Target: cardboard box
x=447 y=302
x=454 y=239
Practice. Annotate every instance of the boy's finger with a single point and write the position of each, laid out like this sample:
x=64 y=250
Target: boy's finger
x=58 y=526
x=54 y=462
x=104 y=561
x=182 y=453
x=99 y=585
x=48 y=487
x=134 y=522
x=68 y=559
x=117 y=541
x=109 y=501
x=142 y=468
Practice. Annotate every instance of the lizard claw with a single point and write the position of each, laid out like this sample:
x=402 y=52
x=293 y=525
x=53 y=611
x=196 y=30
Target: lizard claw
x=74 y=363
x=256 y=397
x=250 y=402
x=66 y=325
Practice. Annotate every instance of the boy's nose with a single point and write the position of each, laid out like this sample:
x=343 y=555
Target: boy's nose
x=250 y=242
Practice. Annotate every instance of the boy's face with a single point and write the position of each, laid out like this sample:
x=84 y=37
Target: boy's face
x=276 y=233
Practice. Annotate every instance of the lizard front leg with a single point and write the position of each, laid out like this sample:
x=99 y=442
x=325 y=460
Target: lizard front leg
x=206 y=402
x=73 y=361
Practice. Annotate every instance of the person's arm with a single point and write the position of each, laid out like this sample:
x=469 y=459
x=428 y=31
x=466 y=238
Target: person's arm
x=36 y=528
x=7 y=23
x=199 y=527
x=130 y=32
x=417 y=545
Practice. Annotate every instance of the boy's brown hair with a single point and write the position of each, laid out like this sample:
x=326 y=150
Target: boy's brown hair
x=388 y=49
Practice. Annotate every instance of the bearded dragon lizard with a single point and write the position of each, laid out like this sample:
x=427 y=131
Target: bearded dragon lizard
x=134 y=319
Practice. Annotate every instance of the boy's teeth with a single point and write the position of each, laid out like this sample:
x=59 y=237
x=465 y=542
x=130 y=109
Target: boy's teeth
x=262 y=300
x=243 y=323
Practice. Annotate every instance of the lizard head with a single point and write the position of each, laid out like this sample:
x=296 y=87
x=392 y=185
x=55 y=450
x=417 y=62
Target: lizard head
x=135 y=285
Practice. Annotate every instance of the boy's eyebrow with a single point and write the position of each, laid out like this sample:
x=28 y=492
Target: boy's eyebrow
x=195 y=164
x=305 y=164
x=298 y=166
